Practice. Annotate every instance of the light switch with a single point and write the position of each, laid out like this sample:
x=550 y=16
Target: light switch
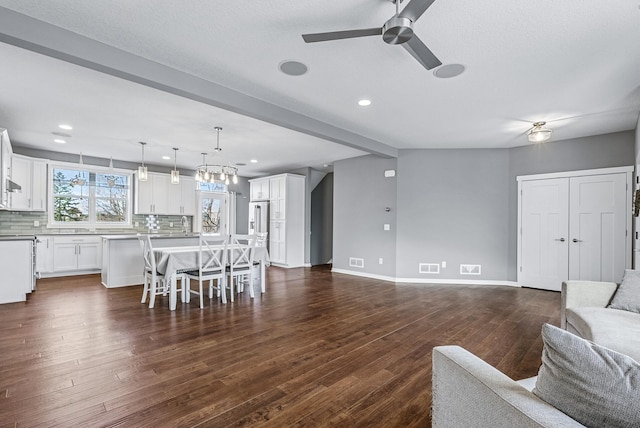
x=387 y=226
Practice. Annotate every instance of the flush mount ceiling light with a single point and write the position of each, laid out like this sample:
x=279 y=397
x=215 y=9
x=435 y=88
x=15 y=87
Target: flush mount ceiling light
x=207 y=172
x=539 y=134
x=142 y=170
x=59 y=141
x=175 y=175
x=364 y=102
x=66 y=127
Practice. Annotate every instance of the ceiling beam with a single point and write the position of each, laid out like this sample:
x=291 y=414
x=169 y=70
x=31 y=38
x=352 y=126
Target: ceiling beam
x=38 y=36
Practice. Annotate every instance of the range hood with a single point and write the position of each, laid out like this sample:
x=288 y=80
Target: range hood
x=13 y=187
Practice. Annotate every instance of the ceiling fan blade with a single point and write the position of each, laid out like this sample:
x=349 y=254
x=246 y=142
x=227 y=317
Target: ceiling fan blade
x=337 y=35
x=421 y=53
x=415 y=9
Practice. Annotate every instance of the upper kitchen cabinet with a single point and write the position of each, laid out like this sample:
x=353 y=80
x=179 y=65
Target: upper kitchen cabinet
x=5 y=168
x=158 y=196
x=31 y=175
x=259 y=189
x=152 y=195
x=182 y=197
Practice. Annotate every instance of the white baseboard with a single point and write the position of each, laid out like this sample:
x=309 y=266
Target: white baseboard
x=428 y=280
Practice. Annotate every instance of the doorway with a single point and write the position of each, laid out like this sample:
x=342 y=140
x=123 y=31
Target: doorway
x=212 y=215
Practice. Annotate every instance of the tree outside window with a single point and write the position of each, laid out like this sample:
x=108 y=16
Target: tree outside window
x=83 y=197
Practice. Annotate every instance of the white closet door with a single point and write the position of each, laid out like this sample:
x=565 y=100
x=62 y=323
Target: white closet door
x=597 y=227
x=544 y=229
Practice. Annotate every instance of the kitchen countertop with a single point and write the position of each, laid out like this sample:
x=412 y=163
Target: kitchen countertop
x=153 y=235
x=17 y=237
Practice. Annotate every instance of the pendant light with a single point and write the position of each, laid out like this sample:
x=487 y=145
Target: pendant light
x=175 y=175
x=142 y=170
x=111 y=180
x=80 y=180
x=221 y=169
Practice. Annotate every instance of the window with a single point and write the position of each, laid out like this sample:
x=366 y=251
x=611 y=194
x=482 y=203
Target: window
x=89 y=197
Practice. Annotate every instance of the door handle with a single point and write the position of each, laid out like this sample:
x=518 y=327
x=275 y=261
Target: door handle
x=560 y=239
x=576 y=240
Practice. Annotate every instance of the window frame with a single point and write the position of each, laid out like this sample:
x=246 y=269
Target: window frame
x=92 y=222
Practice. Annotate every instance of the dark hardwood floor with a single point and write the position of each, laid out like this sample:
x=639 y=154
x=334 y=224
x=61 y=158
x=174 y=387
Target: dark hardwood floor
x=318 y=349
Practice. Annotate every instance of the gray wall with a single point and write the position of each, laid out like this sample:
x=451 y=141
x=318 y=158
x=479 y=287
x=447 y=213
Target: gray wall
x=458 y=206
x=360 y=195
x=452 y=206
x=322 y=222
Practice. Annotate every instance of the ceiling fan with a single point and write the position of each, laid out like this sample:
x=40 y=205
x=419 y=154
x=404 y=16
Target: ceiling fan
x=398 y=30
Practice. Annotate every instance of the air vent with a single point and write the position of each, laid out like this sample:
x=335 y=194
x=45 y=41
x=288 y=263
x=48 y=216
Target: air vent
x=354 y=262
x=433 y=268
x=470 y=269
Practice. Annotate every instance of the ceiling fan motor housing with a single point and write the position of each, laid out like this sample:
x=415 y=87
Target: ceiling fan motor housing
x=397 y=30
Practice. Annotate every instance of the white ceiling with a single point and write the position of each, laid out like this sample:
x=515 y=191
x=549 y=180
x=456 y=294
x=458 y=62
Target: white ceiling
x=573 y=63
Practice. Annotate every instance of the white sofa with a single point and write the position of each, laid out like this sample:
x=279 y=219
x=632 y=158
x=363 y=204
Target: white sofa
x=468 y=392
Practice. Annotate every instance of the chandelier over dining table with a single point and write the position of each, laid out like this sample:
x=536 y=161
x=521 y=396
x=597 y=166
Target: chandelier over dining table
x=218 y=171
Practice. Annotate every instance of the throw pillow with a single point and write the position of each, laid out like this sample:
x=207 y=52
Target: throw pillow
x=627 y=296
x=594 y=385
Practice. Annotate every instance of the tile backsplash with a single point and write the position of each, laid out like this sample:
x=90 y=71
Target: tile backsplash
x=22 y=223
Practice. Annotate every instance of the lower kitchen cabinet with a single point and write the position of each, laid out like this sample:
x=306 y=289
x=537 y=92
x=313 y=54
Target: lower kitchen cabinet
x=68 y=255
x=16 y=265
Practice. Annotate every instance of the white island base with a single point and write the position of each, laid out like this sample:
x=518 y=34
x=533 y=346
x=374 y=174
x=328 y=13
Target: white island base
x=122 y=262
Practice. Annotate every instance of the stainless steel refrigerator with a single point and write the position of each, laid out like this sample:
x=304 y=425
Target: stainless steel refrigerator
x=259 y=218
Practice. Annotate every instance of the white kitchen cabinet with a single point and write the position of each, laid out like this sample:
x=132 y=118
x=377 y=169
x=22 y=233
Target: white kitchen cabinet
x=182 y=197
x=77 y=254
x=5 y=168
x=286 y=220
x=152 y=196
x=44 y=255
x=277 y=197
x=31 y=175
x=16 y=265
x=259 y=189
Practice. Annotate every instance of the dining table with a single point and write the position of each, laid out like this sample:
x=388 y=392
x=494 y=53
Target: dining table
x=172 y=261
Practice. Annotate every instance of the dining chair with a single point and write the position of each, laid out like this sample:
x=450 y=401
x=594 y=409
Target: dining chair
x=154 y=282
x=241 y=262
x=212 y=262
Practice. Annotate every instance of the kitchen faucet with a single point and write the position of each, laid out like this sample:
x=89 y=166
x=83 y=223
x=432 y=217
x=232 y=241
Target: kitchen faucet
x=185 y=224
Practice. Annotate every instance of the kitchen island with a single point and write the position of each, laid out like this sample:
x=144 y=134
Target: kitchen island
x=122 y=262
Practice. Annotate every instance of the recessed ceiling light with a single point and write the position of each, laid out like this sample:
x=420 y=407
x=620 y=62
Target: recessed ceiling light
x=166 y=157
x=448 y=71
x=364 y=103
x=67 y=127
x=59 y=141
x=293 y=68
x=254 y=161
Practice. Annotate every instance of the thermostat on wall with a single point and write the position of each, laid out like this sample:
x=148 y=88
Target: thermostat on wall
x=390 y=173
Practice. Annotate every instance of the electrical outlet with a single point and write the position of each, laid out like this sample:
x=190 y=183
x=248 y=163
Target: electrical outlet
x=136 y=224
x=170 y=224
x=387 y=226
x=443 y=264
x=380 y=261
x=36 y=223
